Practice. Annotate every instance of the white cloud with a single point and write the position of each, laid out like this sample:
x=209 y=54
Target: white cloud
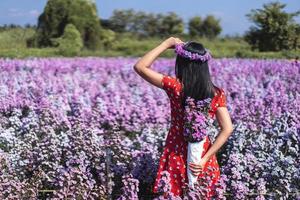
x=15 y=12
x=34 y=13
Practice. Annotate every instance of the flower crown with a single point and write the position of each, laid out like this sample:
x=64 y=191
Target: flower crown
x=192 y=56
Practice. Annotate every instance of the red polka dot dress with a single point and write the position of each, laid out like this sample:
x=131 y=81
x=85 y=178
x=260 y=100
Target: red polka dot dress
x=174 y=155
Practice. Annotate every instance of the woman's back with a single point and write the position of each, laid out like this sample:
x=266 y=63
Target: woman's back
x=175 y=151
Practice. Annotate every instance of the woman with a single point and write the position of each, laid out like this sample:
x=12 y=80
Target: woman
x=192 y=80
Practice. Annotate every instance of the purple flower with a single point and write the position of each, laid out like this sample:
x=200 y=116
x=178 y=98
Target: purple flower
x=192 y=56
x=196 y=119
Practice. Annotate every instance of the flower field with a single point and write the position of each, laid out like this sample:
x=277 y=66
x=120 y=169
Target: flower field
x=91 y=128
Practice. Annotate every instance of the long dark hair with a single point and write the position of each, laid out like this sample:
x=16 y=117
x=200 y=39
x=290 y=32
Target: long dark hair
x=194 y=74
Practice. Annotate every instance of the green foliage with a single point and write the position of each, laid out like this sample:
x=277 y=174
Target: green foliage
x=108 y=37
x=145 y=24
x=209 y=27
x=32 y=41
x=70 y=43
x=28 y=52
x=15 y=37
x=170 y=24
x=151 y=25
x=267 y=54
x=131 y=47
x=127 y=44
x=122 y=20
x=195 y=26
x=58 y=13
x=275 y=29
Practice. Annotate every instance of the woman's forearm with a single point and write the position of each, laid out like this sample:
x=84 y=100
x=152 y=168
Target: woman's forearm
x=149 y=57
x=220 y=140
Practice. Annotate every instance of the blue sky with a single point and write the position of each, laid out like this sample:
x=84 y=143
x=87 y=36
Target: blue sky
x=231 y=12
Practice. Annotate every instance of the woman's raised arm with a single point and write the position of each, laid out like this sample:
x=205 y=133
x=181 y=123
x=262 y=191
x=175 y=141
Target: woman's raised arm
x=142 y=67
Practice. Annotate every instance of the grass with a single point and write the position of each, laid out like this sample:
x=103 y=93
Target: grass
x=13 y=45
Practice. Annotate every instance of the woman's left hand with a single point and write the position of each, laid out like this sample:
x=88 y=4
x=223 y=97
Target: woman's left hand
x=171 y=42
x=197 y=168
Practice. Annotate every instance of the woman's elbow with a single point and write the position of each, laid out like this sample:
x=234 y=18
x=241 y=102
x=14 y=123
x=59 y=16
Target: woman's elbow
x=136 y=68
x=228 y=129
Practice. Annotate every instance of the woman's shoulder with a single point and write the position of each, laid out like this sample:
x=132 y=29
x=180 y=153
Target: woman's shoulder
x=170 y=80
x=220 y=97
x=172 y=86
x=173 y=78
x=218 y=91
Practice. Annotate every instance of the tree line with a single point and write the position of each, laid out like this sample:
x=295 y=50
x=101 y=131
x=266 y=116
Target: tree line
x=161 y=25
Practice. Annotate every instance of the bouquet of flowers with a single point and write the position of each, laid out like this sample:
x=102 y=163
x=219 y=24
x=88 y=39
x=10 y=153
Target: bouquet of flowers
x=196 y=119
x=197 y=124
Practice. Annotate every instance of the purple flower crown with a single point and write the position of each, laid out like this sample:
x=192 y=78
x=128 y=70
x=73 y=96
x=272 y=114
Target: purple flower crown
x=192 y=56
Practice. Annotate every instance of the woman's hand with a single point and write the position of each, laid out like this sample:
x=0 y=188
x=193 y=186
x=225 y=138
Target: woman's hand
x=196 y=169
x=171 y=42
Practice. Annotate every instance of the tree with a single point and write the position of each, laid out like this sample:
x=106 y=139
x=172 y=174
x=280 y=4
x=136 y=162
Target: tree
x=58 y=13
x=211 y=27
x=108 y=37
x=195 y=26
x=145 y=24
x=170 y=24
x=106 y=24
x=274 y=28
x=121 y=20
x=296 y=42
x=150 y=26
x=140 y=22
x=70 y=43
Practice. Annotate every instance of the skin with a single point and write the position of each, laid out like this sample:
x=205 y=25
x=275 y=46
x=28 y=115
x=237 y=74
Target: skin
x=143 y=68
